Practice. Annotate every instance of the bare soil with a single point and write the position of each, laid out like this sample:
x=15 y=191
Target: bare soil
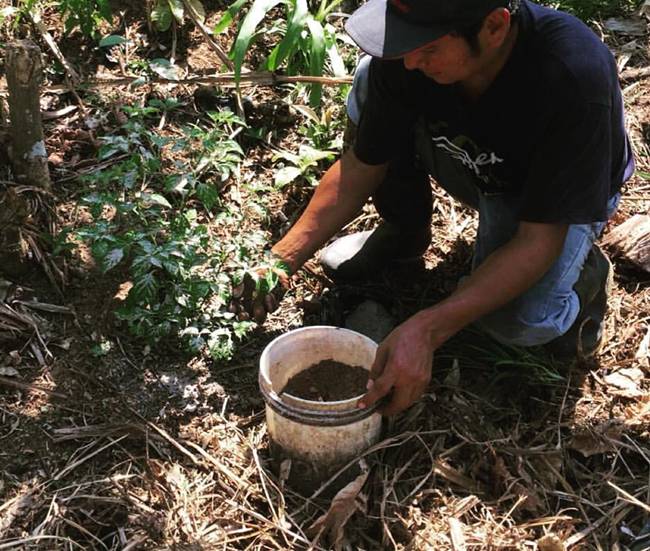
x=328 y=381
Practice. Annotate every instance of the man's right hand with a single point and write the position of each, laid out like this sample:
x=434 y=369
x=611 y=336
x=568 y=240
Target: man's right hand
x=341 y=194
x=260 y=291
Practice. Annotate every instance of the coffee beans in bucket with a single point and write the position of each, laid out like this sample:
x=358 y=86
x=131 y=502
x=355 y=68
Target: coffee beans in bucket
x=328 y=381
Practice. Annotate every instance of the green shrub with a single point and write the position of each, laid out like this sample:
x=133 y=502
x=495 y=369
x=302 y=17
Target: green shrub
x=167 y=227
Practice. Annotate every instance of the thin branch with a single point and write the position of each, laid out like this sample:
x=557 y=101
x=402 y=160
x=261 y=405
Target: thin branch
x=52 y=45
x=207 y=33
x=32 y=387
x=629 y=498
x=264 y=78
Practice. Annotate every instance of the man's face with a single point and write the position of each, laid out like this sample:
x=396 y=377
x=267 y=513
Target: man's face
x=447 y=60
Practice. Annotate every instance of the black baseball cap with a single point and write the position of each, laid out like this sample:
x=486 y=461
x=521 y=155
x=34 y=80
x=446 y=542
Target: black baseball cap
x=392 y=28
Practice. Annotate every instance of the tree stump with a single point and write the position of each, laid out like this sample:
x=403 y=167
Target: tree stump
x=24 y=77
x=631 y=240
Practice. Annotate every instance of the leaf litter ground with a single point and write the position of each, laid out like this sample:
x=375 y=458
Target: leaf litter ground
x=145 y=448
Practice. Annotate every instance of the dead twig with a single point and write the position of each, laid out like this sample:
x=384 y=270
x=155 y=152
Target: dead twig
x=54 y=48
x=225 y=80
x=76 y=464
x=30 y=386
x=207 y=33
x=629 y=498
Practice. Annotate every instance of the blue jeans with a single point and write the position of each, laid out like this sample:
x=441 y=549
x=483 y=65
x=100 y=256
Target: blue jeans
x=549 y=308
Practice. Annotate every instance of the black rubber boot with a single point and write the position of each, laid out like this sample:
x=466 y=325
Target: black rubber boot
x=585 y=337
x=365 y=254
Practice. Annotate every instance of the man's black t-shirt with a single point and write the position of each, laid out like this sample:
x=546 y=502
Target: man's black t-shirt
x=550 y=127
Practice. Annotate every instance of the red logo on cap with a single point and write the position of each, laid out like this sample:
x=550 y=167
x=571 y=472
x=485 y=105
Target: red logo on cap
x=401 y=6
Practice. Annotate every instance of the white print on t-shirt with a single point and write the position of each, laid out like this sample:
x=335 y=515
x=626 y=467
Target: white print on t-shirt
x=458 y=153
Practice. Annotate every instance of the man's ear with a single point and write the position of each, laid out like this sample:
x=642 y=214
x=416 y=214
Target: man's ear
x=496 y=26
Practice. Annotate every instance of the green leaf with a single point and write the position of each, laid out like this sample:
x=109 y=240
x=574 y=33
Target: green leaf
x=287 y=156
x=325 y=9
x=113 y=145
x=336 y=61
x=208 y=195
x=288 y=44
x=198 y=8
x=111 y=40
x=156 y=199
x=286 y=175
x=307 y=112
x=227 y=18
x=161 y=15
x=105 y=10
x=241 y=328
x=178 y=10
x=147 y=246
x=253 y=17
x=145 y=288
x=316 y=58
x=141 y=81
x=112 y=259
x=101 y=348
x=310 y=156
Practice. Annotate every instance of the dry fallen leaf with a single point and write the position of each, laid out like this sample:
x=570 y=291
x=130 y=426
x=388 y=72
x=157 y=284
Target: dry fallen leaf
x=550 y=542
x=600 y=439
x=176 y=478
x=456 y=533
x=341 y=509
x=627 y=381
x=643 y=352
x=532 y=503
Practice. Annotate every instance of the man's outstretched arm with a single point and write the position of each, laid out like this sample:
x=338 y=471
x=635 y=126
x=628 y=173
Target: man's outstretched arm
x=341 y=194
x=404 y=359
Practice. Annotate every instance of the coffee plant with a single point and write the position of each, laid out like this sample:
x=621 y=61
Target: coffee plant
x=150 y=218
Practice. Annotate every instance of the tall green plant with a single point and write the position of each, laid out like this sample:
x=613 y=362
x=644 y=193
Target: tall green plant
x=307 y=39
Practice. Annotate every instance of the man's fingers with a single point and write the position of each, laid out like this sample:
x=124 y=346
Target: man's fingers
x=270 y=303
x=379 y=383
x=259 y=311
x=401 y=399
x=238 y=291
x=377 y=368
x=377 y=390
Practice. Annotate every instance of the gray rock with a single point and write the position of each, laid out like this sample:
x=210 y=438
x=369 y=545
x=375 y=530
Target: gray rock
x=371 y=319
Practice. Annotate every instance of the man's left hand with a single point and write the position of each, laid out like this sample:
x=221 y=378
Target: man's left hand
x=402 y=367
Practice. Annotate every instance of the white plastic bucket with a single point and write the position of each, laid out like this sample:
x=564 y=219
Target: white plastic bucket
x=319 y=437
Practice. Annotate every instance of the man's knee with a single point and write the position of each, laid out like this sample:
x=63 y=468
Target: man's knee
x=521 y=324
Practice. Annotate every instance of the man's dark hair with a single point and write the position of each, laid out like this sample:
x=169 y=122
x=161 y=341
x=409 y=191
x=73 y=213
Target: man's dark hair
x=470 y=31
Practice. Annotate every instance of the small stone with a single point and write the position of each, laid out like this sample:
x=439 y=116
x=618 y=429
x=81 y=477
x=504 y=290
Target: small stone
x=371 y=319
